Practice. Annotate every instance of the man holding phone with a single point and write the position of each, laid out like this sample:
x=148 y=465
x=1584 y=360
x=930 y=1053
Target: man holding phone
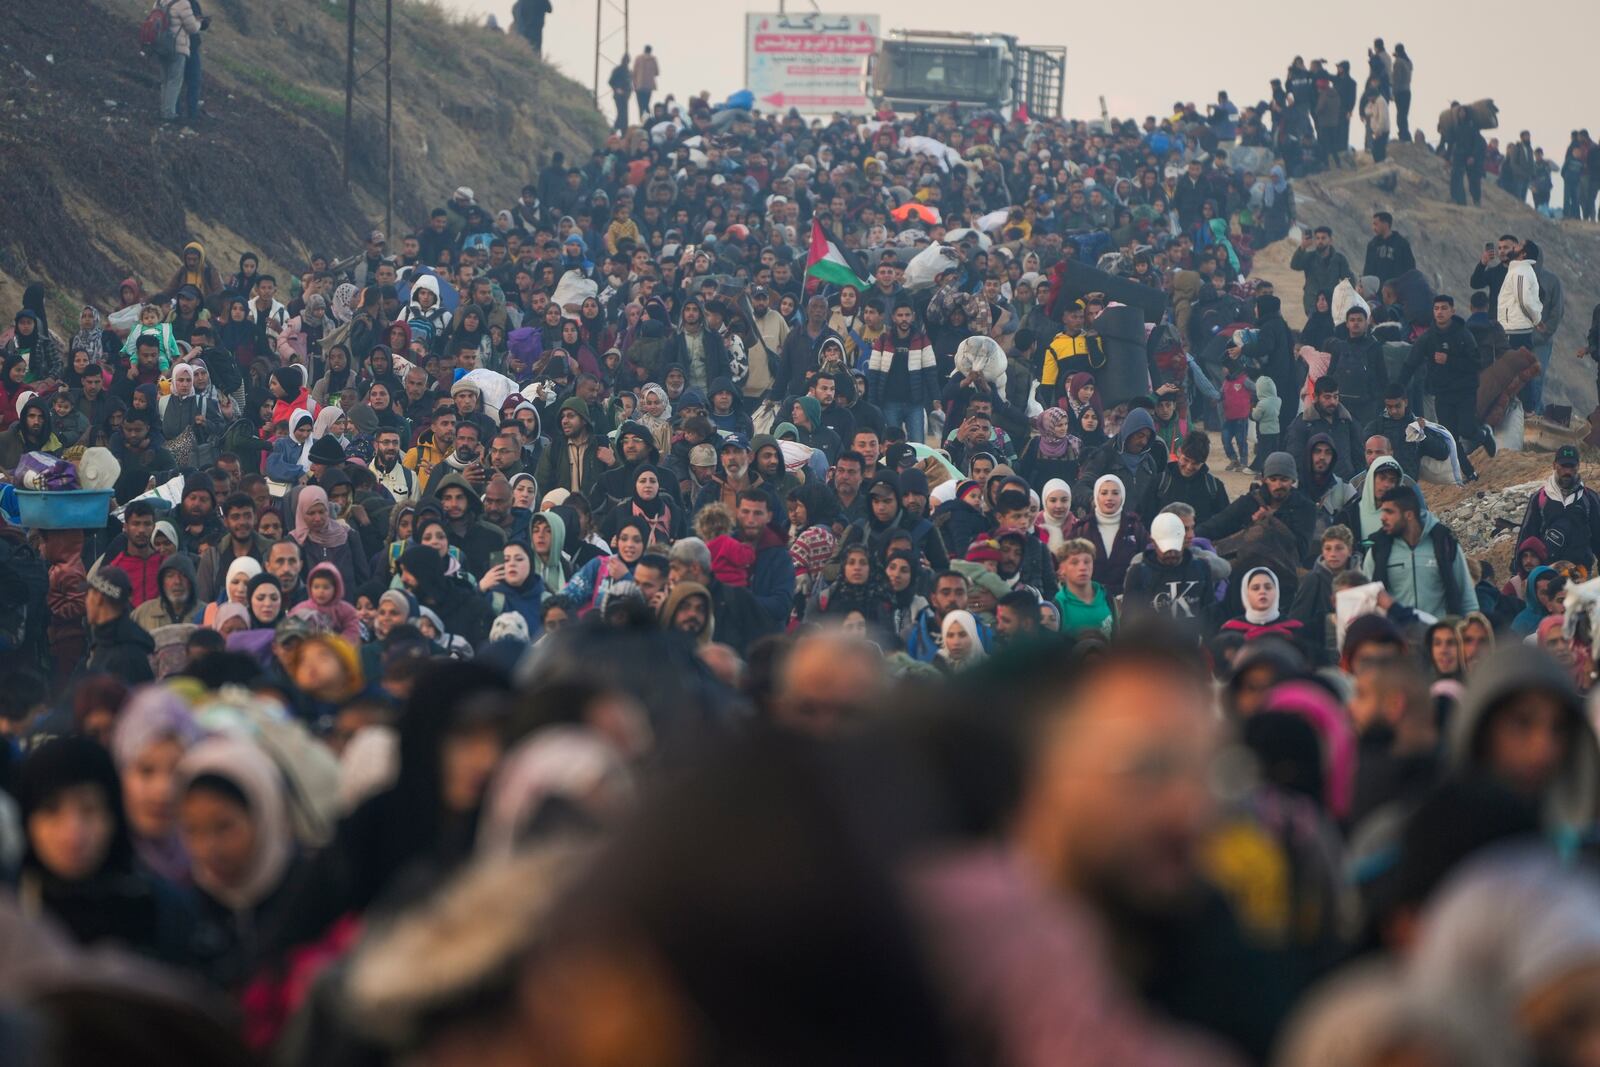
x=1490 y=273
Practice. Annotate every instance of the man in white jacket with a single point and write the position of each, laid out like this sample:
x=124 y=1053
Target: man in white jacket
x=1520 y=308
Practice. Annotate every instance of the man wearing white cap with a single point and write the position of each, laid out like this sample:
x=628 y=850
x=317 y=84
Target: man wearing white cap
x=1168 y=578
x=460 y=202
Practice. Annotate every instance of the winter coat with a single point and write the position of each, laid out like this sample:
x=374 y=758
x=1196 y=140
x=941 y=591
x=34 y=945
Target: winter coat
x=1459 y=371
x=1204 y=492
x=1267 y=407
x=1569 y=529
x=475 y=539
x=1323 y=272
x=184 y=22
x=1238 y=398
x=1298 y=513
x=122 y=648
x=1129 y=540
x=1341 y=429
x=158 y=611
x=921 y=381
x=1108 y=459
x=959 y=524
x=1358 y=366
x=339 y=616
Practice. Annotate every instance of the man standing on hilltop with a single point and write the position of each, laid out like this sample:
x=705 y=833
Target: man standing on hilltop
x=1323 y=265
x=621 y=83
x=1400 y=80
x=645 y=72
x=528 y=17
x=182 y=22
x=1388 y=254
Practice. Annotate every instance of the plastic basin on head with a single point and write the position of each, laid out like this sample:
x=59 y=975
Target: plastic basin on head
x=64 y=509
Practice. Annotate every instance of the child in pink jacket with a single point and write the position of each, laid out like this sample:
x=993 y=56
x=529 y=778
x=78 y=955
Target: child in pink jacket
x=325 y=597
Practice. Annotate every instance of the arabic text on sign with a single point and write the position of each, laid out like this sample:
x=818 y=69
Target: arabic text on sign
x=811 y=71
x=853 y=45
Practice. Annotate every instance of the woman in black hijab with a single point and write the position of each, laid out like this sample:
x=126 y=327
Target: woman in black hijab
x=79 y=867
x=412 y=836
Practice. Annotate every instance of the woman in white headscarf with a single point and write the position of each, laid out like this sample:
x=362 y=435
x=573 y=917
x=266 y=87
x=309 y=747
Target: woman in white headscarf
x=655 y=412
x=1115 y=531
x=186 y=418
x=961 y=644
x=235 y=587
x=1055 y=517
x=331 y=420
x=1259 y=593
x=287 y=462
x=234 y=818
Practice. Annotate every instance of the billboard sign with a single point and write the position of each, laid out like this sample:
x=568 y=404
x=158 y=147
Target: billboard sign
x=811 y=61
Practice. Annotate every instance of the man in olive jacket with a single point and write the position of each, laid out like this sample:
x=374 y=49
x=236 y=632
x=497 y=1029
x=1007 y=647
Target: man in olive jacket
x=1323 y=265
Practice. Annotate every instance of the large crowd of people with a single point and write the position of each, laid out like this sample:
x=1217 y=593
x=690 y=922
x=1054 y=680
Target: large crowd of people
x=595 y=630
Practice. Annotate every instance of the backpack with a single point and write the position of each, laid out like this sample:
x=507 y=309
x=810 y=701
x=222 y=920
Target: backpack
x=158 y=38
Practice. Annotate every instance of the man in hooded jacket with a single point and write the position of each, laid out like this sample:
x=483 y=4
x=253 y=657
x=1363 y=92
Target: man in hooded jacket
x=176 y=603
x=463 y=521
x=736 y=619
x=1135 y=455
x=1326 y=417
x=579 y=460
x=31 y=433
x=698 y=350
x=636 y=451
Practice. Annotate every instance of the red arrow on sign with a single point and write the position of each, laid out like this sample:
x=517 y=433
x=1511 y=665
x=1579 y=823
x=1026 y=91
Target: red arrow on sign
x=792 y=100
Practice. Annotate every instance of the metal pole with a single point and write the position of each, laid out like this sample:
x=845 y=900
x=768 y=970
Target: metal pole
x=349 y=81
x=597 y=4
x=388 y=114
x=625 y=49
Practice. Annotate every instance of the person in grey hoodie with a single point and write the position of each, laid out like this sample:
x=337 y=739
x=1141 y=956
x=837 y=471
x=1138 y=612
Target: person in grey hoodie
x=1267 y=415
x=1136 y=455
x=1521 y=722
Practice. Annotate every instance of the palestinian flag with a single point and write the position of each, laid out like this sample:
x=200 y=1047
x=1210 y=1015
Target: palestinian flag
x=830 y=263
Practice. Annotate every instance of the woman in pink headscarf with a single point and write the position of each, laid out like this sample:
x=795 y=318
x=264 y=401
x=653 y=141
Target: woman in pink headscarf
x=325 y=538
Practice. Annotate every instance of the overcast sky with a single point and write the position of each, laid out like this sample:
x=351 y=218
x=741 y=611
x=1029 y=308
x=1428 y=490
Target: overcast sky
x=1173 y=49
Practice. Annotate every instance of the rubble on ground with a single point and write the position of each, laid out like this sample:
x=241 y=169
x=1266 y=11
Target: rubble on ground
x=1488 y=516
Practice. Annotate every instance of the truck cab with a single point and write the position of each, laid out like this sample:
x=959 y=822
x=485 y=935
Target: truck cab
x=976 y=71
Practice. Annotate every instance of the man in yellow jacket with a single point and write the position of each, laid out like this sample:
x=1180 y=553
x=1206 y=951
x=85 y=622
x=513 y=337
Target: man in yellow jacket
x=1072 y=350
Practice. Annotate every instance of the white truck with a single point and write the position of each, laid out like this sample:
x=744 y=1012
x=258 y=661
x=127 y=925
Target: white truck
x=976 y=71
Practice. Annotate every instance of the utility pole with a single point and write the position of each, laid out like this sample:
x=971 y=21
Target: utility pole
x=610 y=22
x=388 y=116
x=349 y=82
x=363 y=36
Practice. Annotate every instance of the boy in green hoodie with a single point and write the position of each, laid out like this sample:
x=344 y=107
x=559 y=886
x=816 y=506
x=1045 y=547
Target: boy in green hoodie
x=1080 y=599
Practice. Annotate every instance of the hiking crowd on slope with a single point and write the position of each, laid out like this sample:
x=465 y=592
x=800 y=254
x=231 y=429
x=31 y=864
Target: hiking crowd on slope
x=595 y=630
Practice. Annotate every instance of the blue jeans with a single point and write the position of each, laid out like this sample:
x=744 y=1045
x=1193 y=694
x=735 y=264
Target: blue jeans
x=913 y=417
x=1236 y=439
x=171 y=85
x=1532 y=394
